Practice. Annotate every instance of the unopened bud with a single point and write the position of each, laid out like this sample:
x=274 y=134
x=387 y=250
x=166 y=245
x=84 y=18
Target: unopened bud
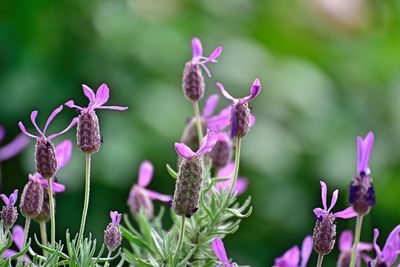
x=221 y=154
x=240 y=120
x=324 y=235
x=362 y=194
x=9 y=215
x=193 y=82
x=88 y=134
x=45 y=157
x=44 y=214
x=32 y=199
x=112 y=236
x=190 y=135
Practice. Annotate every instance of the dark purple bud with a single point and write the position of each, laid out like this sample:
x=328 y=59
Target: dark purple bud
x=240 y=120
x=44 y=214
x=32 y=199
x=45 y=157
x=221 y=154
x=9 y=215
x=362 y=194
x=139 y=200
x=187 y=187
x=88 y=134
x=324 y=235
x=112 y=236
x=193 y=82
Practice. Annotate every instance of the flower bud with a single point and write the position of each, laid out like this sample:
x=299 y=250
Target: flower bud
x=362 y=194
x=88 y=134
x=9 y=215
x=44 y=214
x=240 y=120
x=187 y=188
x=32 y=199
x=193 y=82
x=221 y=154
x=112 y=235
x=324 y=235
x=45 y=157
x=139 y=200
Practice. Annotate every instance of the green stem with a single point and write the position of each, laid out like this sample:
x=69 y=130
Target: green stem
x=108 y=256
x=198 y=121
x=52 y=213
x=181 y=236
x=356 y=240
x=320 y=259
x=43 y=234
x=86 y=200
x=237 y=161
x=26 y=231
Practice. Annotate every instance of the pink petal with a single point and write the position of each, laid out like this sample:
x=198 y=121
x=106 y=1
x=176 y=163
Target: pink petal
x=89 y=94
x=9 y=253
x=72 y=124
x=214 y=54
x=57 y=187
x=102 y=95
x=112 y=107
x=225 y=93
x=306 y=249
x=207 y=144
x=71 y=104
x=115 y=217
x=14 y=147
x=226 y=171
x=146 y=170
x=221 y=121
x=157 y=196
x=334 y=199
x=13 y=197
x=197 y=49
x=63 y=153
x=23 y=130
x=376 y=247
x=5 y=199
x=392 y=246
x=224 y=137
x=345 y=214
x=18 y=236
x=319 y=212
x=211 y=104
x=241 y=185
x=289 y=259
x=323 y=194
x=364 y=246
x=51 y=117
x=346 y=241
x=184 y=151
x=255 y=89
x=219 y=250
x=33 y=120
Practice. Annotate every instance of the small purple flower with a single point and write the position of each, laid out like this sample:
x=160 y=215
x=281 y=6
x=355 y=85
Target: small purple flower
x=241 y=182
x=14 y=147
x=10 y=201
x=115 y=217
x=112 y=234
x=219 y=250
x=9 y=213
x=199 y=59
x=206 y=146
x=294 y=257
x=388 y=255
x=240 y=119
x=346 y=249
x=18 y=238
x=140 y=197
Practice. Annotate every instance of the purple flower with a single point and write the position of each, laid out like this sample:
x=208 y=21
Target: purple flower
x=241 y=182
x=18 y=238
x=42 y=134
x=199 y=59
x=206 y=146
x=388 y=255
x=10 y=201
x=345 y=214
x=96 y=101
x=115 y=217
x=293 y=257
x=112 y=234
x=364 y=149
x=219 y=250
x=9 y=213
x=346 y=249
x=14 y=147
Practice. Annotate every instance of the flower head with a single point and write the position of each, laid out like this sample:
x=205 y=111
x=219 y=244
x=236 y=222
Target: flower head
x=346 y=249
x=241 y=182
x=364 y=149
x=9 y=213
x=199 y=59
x=388 y=255
x=18 y=238
x=206 y=146
x=14 y=147
x=112 y=234
x=219 y=250
x=11 y=200
x=294 y=257
x=221 y=154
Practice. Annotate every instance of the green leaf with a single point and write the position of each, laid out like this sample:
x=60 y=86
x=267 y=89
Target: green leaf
x=238 y=214
x=143 y=263
x=171 y=172
x=134 y=239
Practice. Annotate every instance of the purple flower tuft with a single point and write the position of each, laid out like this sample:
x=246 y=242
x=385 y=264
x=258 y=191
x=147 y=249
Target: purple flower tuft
x=112 y=234
x=32 y=198
x=9 y=213
x=294 y=257
x=364 y=149
x=219 y=250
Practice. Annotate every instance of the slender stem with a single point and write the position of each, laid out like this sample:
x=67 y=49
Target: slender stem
x=108 y=256
x=356 y=240
x=198 y=121
x=43 y=234
x=181 y=236
x=52 y=213
x=86 y=200
x=26 y=231
x=320 y=259
x=237 y=161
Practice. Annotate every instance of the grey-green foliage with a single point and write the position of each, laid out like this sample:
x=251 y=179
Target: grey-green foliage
x=219 y=214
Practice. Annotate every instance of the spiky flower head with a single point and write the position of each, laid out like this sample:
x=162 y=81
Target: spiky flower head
x=112 y=234
x=46 y=163
x=32 y=198
x=362 y=193
x=346 y=249
x=390 y=252
x=140 y=198
x=294 y=257
x=88 y=133
x=193 y=80
x=240 y=119
x=190 y=175
x=14 y=147
x=9 y=212
x=325 y=228
x=219 y=250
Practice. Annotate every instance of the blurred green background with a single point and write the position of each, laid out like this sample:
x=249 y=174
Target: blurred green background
x=329 y=70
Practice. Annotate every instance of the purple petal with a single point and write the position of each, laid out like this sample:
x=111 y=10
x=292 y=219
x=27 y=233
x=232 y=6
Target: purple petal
x=52 y=115
x=255 y=89
x=73 y=122
x=23 y=130
x=289 y=259
x=102 y=95
x=208 y=72
x=376 y=247
x=207 y=144
x=227 y=171
x=2 y=133
x=157 y=196
x=392 y=247
x=223 y=137
x=214 y=54
x=346 y=241
x=146 y=170
x=364 y=149
x=334 y=199
x=63 y=153
x=364 y=246
x=306 y=249
x=221 y=121
x=219 y=250
x=319 y=212
x=13 y=197
x=345 y=214
x=112 y=107
x=197 y=48
x=33 y=120
x=225 y=93
x=115 y=217
x=184 y=151
x=9 y=253
x=252 y=120
x=57 y=187
x=5 y=199
x=18 y=236
x=323 y=194
x=71 y=104
x=241 y=185
x=211 y=104
x=14 y=147
x=89 y=94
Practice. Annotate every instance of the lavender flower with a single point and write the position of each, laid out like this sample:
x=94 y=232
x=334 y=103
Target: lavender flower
x=227 y=171
x=9 y=212
x=46 y=163
x=293 y=257
x=240 y=111
x=325 y=228
x=140 y=197
x=388 y=255
x=193 y=80
x=346 y=248
x=32 y=198
x=88 y=134
x=219 y=250
x=14 y=147
x=18 y=238
x=190 y=176
x=112 y=234
x=222 y=151
x=362 y=193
